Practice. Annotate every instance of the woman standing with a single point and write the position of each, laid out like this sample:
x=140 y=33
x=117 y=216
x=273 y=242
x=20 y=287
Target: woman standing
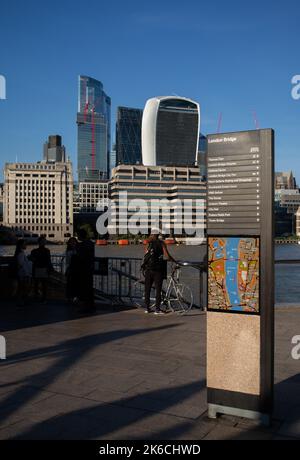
x=24 y=272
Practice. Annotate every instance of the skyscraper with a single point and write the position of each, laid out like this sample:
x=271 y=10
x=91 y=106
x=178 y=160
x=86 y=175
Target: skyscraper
x=170 y=131
x=93 y=120
x=128 y=136
x=54 y=151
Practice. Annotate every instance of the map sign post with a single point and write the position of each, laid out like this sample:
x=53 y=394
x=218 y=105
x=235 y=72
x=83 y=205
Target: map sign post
x=240 y=316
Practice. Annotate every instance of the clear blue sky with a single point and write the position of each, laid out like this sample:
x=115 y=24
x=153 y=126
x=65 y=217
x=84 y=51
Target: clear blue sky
x=233 y=57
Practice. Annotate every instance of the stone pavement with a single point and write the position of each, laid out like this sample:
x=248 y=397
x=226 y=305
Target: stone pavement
x=120 y=374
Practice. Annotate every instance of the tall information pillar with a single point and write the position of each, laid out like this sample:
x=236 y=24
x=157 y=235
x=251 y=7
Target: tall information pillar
x=240 y=317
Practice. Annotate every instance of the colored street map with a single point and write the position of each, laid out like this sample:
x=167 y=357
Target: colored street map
x=233 y=274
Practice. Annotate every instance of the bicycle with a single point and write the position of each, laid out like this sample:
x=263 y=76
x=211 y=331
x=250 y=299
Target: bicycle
x=177 y=297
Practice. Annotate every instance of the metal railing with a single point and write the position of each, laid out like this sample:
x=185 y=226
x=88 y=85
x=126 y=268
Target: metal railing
x=120 y=282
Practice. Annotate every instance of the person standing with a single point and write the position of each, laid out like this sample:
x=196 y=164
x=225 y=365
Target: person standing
x=154 y=270
x=71 y=269
x=23 y=272
x=42 y=267
x=85 y=263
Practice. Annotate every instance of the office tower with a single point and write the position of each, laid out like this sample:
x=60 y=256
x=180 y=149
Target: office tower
x=169 y=185
x=128 y=136
x=38 y=199
x=113 y=158
x=54 y=151
x=170 y=131
x=202 y=153
x=90 y=197
x=93 y=120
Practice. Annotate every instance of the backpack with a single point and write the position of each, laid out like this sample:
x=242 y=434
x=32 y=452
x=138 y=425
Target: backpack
x=154 y=257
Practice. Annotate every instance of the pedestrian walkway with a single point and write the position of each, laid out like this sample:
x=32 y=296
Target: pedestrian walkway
x=121 y=374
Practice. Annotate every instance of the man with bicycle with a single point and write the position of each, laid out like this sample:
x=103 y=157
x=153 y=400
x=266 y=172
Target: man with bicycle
x=154 y=269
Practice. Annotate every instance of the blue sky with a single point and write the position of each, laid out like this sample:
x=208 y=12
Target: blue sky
x=232 y=57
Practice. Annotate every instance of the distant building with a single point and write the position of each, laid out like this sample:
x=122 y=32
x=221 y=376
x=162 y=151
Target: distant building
x=113 y=159
x=1 y=201
x=38 y=199
x=54 y=151
x=202 y=154
x=159 y=183
x=285 y=180
x=298 y=222
x=93 y=120
x=170 y=131
x=129 y=136
x=90 y=197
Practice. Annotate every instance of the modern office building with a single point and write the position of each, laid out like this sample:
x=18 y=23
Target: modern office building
x=129 y=136
x=38 y=199
x=202 y=154
x=54 y=151
x=90 y=197
x=93 y=120
x=172 y=185
x=170 y=131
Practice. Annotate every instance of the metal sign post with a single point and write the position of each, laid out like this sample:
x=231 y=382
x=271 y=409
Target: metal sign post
x=240 y=317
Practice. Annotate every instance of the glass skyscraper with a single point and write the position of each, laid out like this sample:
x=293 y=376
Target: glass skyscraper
x=128 y=136
x=93 y=120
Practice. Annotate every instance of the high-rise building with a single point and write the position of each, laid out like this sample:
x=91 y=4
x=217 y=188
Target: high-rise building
x=129 y=136
x=170 y=131
x=54 y=151
x=93 y=120
x=202 y=153
x=38 y=199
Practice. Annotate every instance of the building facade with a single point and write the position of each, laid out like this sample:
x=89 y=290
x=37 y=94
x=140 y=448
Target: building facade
x=54 y=151
x=94 y=138
x=129 y=136
x=298 y=222
x=285 y=181
x=38 y=199
x=90 y=197
x=170 y=131
x=163 y=191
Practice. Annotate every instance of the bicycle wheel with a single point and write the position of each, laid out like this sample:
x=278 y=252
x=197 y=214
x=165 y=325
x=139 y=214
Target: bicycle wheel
x=180 y=299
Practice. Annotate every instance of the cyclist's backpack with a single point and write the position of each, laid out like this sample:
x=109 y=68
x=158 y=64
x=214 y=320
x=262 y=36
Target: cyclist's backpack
x=154 y=257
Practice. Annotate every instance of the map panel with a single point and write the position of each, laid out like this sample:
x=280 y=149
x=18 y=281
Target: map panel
x=233 y=274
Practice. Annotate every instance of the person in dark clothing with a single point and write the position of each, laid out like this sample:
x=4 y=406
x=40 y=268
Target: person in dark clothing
x=154 y=270
x=85 y=263
x=41 y=268
x=71 y=269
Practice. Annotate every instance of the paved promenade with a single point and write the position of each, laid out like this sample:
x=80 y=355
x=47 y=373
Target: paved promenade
x=124 y=375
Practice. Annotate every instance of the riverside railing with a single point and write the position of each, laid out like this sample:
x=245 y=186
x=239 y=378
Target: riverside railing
x=119 y=279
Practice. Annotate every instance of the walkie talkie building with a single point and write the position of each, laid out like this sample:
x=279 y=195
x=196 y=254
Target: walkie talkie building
x=170 y=131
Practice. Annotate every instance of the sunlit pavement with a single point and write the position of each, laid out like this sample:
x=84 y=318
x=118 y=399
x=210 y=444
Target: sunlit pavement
x=121 y=374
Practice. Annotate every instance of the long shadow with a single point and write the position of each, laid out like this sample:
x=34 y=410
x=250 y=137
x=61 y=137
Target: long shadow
x=103 y=420
x=14 y=318
x=70 y=352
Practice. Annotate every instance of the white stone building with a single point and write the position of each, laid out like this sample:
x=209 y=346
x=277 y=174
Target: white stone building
x=38 y=199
